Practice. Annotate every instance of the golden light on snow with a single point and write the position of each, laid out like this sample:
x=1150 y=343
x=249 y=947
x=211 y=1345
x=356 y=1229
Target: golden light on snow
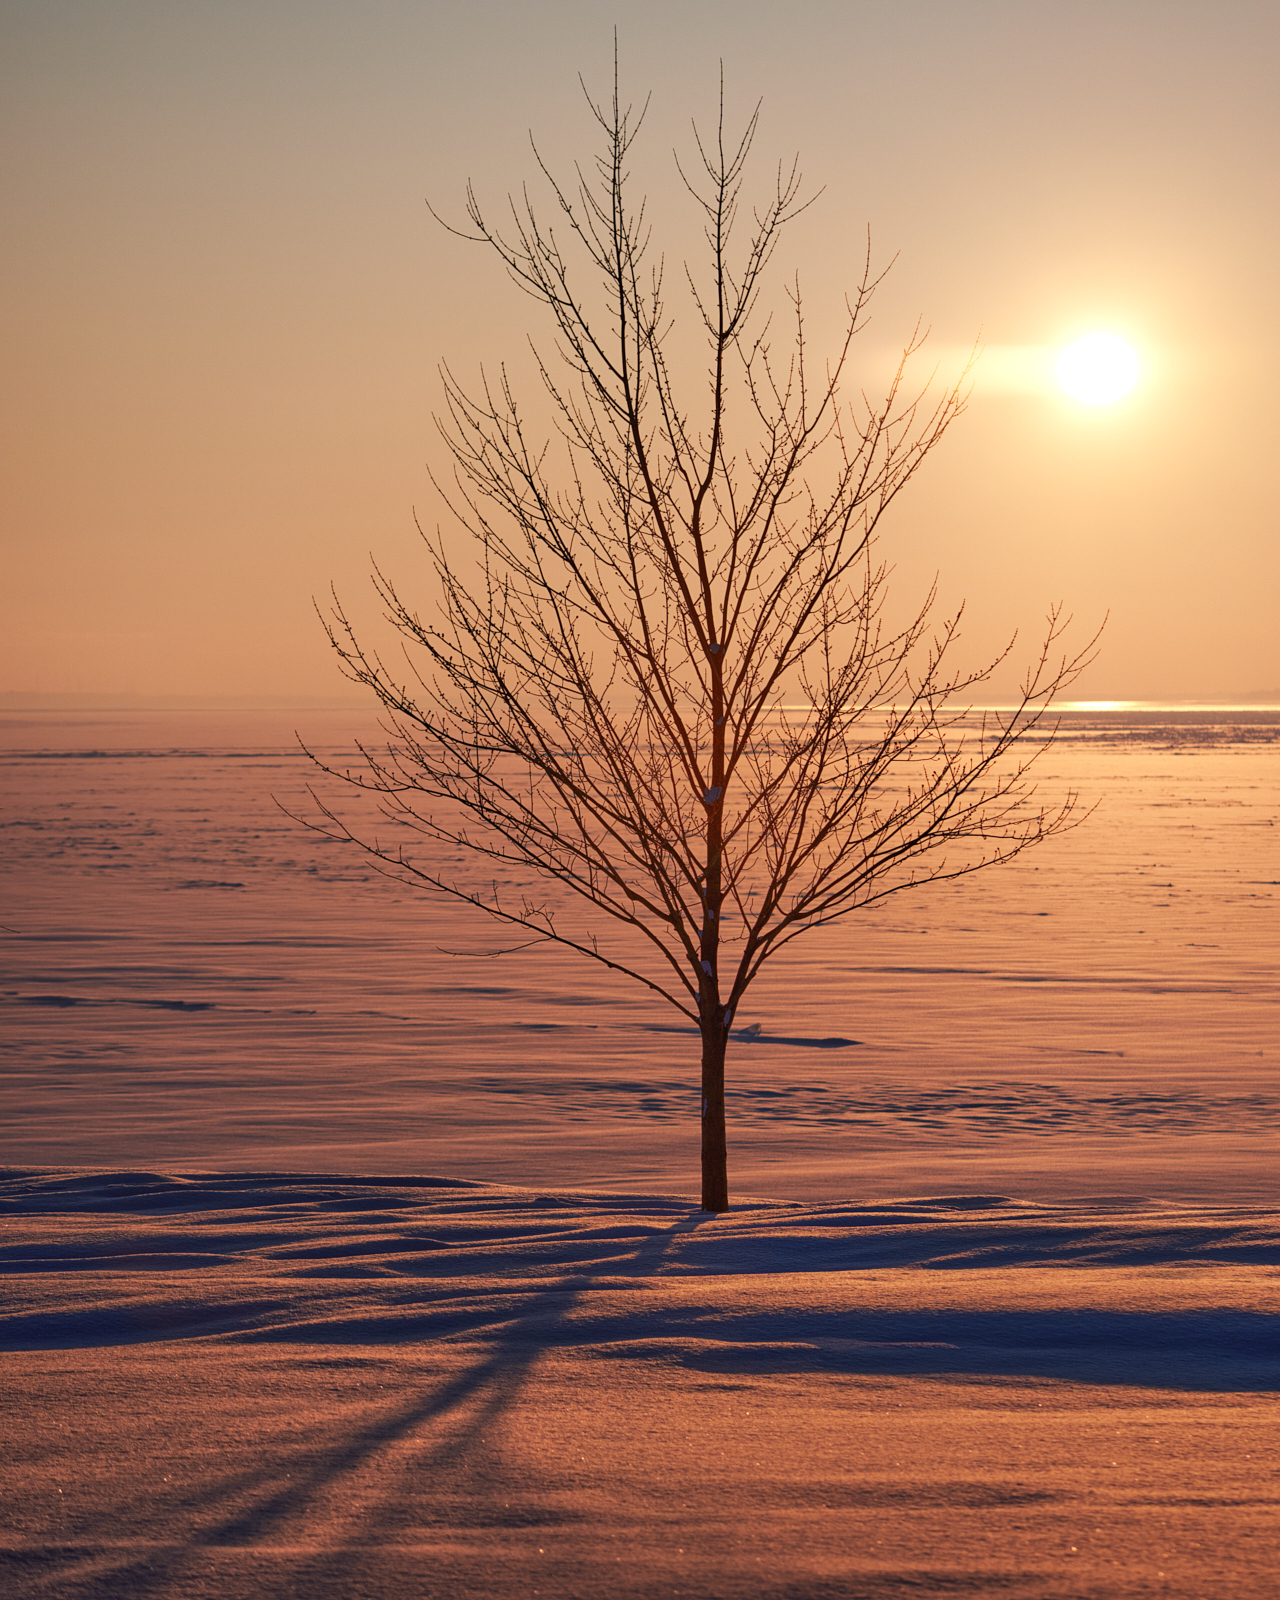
x=1098 y=369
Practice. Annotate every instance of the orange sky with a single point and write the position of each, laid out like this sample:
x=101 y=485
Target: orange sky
x=225 y=300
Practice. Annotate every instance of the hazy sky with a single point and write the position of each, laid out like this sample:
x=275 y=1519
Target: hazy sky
x=225 y=300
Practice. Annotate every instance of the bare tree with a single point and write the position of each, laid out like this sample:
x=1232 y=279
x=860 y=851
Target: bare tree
x=667 y=684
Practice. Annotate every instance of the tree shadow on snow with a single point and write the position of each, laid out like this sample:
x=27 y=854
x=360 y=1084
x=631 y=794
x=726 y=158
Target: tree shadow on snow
x=452 y=1433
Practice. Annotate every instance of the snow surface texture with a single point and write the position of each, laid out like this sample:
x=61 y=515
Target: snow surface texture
x=190 y=979
x=255 y=1384
x=341 y=1268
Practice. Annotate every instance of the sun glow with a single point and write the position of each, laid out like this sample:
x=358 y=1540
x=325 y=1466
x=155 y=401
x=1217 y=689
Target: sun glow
x=1098 y=369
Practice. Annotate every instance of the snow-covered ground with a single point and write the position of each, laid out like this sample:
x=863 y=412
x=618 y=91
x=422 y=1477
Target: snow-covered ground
x=192 y=979
x=338 y=1266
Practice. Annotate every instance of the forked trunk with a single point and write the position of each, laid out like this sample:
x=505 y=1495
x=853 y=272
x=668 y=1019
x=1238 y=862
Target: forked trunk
x=715 y=1163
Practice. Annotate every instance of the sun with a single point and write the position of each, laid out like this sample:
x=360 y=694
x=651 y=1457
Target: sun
x=1098 y=369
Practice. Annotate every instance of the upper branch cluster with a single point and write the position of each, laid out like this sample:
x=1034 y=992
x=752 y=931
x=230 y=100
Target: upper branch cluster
x=666 y=683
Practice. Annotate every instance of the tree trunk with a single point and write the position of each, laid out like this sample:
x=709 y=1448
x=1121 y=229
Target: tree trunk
x=715 y=1165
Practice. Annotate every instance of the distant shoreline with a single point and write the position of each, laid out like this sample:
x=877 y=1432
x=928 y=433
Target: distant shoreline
x=17 y=700
x=1260 y=704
